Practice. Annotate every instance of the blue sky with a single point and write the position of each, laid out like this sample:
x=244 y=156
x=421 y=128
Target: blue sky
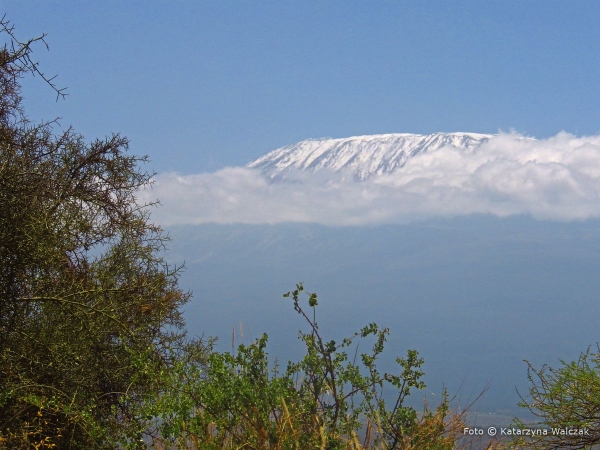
x=203 y=85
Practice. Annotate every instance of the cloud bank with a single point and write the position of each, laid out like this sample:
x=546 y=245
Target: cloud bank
x=552 y=179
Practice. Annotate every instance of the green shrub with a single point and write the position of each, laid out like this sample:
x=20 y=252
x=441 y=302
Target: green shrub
x=565 y=398
x=326 y=400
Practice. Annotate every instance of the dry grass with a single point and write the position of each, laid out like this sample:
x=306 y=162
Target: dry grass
x=437 y=429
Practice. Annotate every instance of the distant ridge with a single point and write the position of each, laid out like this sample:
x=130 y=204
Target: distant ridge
x=362 y=156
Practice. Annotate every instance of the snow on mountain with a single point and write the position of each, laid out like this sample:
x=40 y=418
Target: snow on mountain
x=362 y=156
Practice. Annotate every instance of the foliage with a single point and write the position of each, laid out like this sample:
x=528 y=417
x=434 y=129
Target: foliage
x=83 y=290
x=323 y=401
x=566 y=398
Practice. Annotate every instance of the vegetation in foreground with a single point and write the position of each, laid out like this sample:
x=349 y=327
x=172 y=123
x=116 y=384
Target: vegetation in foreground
x=331 y=399
x=93 y=350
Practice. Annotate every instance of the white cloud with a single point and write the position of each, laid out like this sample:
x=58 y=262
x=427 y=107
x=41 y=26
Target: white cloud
x=551 y=179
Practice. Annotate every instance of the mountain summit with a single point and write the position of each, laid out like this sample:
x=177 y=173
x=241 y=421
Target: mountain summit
x=362 y=156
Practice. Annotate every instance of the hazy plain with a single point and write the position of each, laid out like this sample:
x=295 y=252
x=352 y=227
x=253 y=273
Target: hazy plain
x=474 y=295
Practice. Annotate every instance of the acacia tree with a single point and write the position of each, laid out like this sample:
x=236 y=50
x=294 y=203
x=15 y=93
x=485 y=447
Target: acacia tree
x=84 y=292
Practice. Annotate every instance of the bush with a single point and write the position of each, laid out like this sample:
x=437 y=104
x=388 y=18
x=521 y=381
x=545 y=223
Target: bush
x=566 y=398
x=324 y=401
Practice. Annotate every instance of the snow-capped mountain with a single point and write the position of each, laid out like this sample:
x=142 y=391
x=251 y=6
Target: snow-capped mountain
x=362 y=156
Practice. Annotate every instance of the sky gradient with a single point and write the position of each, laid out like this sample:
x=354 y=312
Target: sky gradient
x=199 y=86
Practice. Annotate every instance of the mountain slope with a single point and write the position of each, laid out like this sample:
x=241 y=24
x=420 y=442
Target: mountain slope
x=362 y=156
